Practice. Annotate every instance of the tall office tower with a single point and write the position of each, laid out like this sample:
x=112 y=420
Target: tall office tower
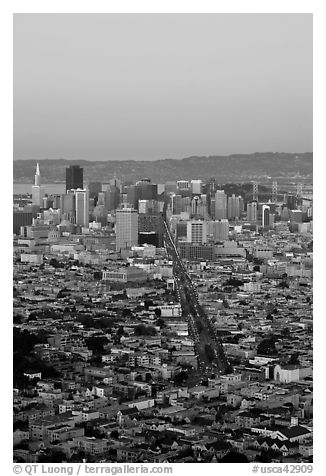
x=292 y=202
x=74 y=177
x=218 y=230
x=112 y=198
x=170 y=187
x=176 y=204
x=220 y=205
x=235 y=207
x=252 y=210
x=211 y=186
x=133 y=196
x=68 y=205
x=101 y=198
x=255 y=191
x=56 y=201
x=183 y=185
x=37 y=189
x=199 y=206
x=21 y=218
x=126 y=228
x=196 y=231
x=196 y=187
x=296 y=216
x=212 y=207
x=82 y=207
x=265 y=215
x=147 y=189
x=285 y=213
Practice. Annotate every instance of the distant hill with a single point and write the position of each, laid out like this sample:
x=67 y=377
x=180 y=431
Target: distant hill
x=232 y=168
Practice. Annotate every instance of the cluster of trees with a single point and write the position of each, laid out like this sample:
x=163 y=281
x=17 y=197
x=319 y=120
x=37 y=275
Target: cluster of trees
x=98 y=323
x=96 y=344
x=143 y=330
x=233 y=282
x=267 y=346
x=24 y=359
x=181 y=378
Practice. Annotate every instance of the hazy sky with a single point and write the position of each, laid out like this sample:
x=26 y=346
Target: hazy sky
x=152 y=86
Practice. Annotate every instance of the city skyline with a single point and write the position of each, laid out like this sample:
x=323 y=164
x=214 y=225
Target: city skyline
x=100 y=90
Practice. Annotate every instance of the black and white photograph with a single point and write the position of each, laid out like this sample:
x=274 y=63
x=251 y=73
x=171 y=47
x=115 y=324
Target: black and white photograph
x=162 y=242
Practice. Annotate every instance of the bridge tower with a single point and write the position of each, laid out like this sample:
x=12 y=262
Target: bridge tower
x=255 y=191
x=274 y=192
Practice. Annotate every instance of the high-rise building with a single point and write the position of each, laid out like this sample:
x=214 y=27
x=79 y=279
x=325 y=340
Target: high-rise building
x=220 y=205
x=218 y=230
x=196 y=187
x=126 y=228
x=196 y=231
x=21 y=218
x=68 y=205
x=169 y=187
x=211 y=186
x=112 y=198
x=56 y=201
x=74 y=177
x=252 y=209
x=199 y=206
x=148 y=206
x=176 y=204
x=296 y=216
x=147 y=189
x=37 y=189
x=235 y=207
x=82 y=207
x=265 y=216
x=183 y=185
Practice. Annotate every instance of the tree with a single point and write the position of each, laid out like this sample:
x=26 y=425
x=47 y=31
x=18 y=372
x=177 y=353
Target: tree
x=180 y=378
x=18 y=319
x=148 y=303
x=283 y=285
x=126 y=312
x=294 y=359
x=142 y=330
x=234 y=457
x=96 y=344
x=233 y=282
x=158 y=312
x=160 y=322
x=267 y=346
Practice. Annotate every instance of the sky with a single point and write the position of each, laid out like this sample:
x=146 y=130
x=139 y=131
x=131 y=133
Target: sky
x=155 y=86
